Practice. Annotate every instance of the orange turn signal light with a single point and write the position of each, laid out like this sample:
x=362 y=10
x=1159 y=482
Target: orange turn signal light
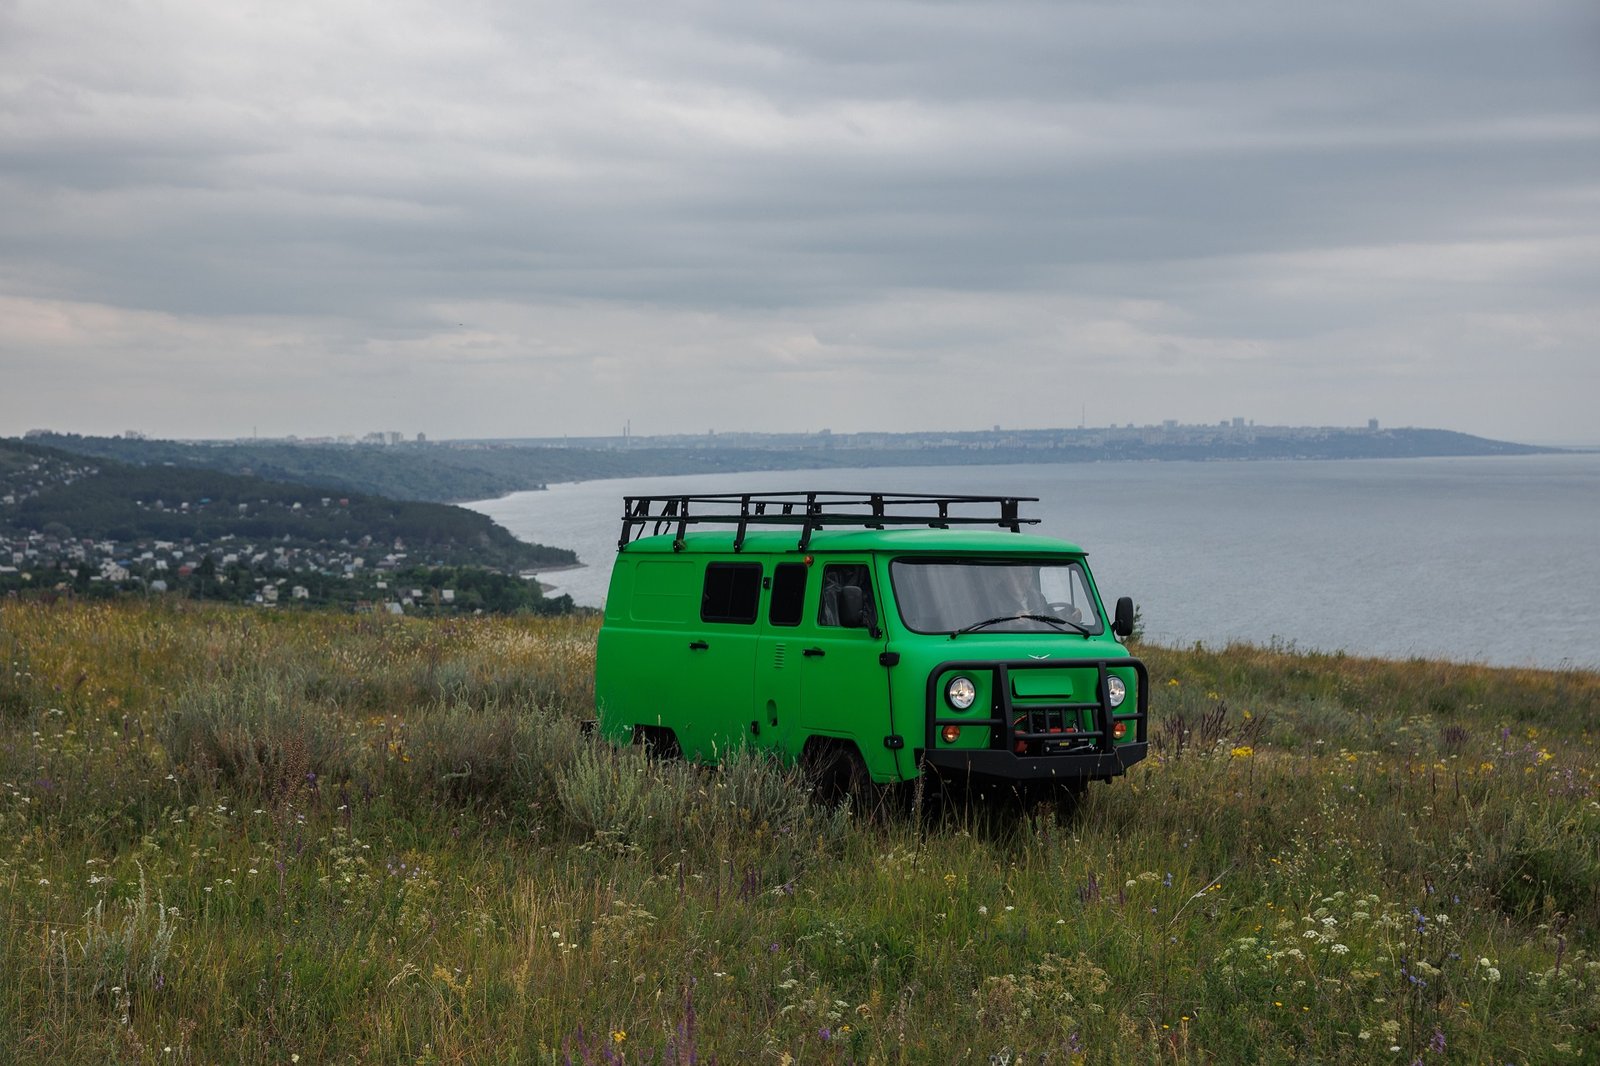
x=950 y=733
x=1119 y=730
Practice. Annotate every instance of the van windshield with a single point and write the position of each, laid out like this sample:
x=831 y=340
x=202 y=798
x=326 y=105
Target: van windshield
x=998 y=596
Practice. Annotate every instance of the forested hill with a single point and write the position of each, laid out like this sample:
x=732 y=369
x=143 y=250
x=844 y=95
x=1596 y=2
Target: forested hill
x=479 y=470
x=71 y=497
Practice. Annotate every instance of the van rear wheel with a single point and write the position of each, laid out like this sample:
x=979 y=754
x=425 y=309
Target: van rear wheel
x=658 y=741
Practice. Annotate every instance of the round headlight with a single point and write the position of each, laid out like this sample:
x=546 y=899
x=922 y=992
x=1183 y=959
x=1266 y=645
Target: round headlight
x=960 y=692
x=1116 y=691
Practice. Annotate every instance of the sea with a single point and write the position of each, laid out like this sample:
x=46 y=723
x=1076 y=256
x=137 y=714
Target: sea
x=1492 y=560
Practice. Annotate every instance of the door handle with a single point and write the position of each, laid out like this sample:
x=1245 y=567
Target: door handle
x=813 y=653
x=698 y=645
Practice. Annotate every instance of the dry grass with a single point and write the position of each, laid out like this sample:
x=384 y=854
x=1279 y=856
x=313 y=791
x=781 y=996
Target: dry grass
x=238 y=836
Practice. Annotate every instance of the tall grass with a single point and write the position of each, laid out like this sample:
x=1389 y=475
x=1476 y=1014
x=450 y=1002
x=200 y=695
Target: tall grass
x=237 y=836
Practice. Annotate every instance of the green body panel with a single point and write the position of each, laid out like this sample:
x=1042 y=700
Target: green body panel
x=754 y=683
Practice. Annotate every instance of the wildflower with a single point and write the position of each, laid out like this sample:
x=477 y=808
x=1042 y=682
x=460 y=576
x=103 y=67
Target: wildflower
x=1339 y=949
x=1243 y=751
x=618 y=1035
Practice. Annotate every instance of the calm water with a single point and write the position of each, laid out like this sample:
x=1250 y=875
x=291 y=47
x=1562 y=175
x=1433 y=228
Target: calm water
x=1492 y=560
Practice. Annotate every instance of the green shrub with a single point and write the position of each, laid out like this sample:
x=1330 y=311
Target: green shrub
x=493 y=753
x=123 y=957
x=258 y=734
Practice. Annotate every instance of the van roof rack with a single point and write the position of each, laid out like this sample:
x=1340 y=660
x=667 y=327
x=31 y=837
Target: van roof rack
x=814 y=510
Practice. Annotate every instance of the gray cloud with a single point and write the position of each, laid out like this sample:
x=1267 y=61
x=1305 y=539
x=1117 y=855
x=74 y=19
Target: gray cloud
x=321 y=217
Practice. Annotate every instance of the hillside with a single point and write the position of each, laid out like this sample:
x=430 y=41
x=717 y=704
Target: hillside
x=125 y=503
x=98 y=527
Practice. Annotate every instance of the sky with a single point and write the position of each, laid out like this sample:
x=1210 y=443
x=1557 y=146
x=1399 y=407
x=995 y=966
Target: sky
x=557 y=217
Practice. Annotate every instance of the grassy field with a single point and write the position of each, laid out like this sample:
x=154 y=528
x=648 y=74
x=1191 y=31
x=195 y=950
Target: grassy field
x=235 y=836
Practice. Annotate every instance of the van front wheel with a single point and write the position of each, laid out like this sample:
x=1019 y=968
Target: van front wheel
x=837 y=772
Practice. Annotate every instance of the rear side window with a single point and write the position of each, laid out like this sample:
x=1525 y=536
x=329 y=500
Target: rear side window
x=732 y=592
x=788 y=594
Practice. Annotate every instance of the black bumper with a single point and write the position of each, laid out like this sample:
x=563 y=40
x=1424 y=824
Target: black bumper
x=1023 y=745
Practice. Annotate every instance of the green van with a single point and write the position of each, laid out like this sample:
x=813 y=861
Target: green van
x=870 y=637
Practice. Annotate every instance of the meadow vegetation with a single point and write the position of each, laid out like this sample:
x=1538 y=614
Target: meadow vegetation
x=245 y=836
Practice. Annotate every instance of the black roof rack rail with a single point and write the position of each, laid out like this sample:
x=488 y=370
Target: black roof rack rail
x=812 y=511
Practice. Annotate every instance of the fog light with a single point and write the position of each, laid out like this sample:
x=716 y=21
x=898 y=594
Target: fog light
x=1119 y=730
x=950 y=733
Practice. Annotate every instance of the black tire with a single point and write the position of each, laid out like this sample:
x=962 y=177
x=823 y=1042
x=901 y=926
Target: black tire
x=658 y=741
x=1066 y=796
x=837 y=773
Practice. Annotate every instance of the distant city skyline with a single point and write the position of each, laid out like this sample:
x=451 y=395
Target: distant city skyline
x=501 y=220
x=759 y=438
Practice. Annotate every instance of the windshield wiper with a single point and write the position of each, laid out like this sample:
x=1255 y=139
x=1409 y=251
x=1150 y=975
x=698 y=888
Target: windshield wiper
x=1050 y=618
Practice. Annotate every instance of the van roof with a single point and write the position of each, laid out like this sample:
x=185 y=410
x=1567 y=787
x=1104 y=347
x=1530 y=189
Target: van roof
x=903 y=539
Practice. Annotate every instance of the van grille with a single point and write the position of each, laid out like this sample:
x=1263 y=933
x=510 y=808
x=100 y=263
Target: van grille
x=1051 y=730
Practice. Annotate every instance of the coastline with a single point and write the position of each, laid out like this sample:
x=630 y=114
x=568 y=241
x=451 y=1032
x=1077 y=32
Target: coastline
x=546 y=587
x=1422 y=532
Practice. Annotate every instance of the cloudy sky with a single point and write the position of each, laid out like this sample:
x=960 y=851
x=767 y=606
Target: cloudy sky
x=520 y=217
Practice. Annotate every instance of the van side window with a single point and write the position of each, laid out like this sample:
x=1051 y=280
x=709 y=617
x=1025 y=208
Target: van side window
x=837 y=577
x=732 y=592
x=788 y=594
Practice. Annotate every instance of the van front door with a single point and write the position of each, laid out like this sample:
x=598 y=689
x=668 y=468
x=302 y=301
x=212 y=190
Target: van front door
x=845 y=689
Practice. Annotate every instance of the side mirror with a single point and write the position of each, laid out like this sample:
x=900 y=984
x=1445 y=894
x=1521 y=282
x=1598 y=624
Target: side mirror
x=850 y=610
x=1122 y=621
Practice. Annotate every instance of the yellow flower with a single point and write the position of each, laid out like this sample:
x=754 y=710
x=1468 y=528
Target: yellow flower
x=1243 y=751
x=618 y=1035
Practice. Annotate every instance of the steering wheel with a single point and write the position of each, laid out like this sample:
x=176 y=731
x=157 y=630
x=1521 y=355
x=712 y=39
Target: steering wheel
x=1062 y=609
